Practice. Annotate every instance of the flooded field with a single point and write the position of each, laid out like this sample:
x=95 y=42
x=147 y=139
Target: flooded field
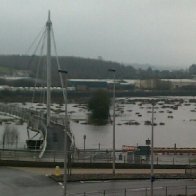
x=174 y=123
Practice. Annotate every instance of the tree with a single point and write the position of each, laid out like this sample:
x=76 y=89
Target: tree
x=99 y=105
x=192 y=69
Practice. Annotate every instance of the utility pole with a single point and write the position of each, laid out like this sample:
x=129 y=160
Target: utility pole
x=48 y=27
x=114 y=94
x=66 y=130
x=152 y=152
x=84 y=137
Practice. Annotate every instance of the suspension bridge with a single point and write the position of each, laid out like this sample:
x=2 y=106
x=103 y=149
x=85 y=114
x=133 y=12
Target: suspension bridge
x=52 y=135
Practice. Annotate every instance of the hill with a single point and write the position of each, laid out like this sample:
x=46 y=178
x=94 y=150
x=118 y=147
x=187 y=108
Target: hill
x=83 y=68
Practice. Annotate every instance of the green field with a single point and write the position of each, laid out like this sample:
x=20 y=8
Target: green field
x=5 y=70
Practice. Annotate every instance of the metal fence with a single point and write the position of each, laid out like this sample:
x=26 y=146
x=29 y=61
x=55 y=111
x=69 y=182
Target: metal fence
x=94 y=156
x=158 y=191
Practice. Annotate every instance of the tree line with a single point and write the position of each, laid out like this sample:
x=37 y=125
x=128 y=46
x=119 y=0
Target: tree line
x=86 y=68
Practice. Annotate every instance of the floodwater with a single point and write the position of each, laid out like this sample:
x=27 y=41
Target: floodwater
x=178 y=125
x=180 y=129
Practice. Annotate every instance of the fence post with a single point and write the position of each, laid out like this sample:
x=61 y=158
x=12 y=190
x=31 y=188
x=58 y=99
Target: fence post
x=166 y=191
x=54 y=156
x=125 y=192
x=84 y=194
x=104 y=193
x=146 y=192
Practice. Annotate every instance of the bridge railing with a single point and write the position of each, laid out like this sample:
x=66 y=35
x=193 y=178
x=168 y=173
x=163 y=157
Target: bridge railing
x=36 y=120
x=16 y=111
x=31 y=115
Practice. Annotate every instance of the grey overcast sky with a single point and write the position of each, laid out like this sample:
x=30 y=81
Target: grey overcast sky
x=158 y=32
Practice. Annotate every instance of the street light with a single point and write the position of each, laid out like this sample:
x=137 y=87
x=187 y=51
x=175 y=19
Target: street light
x=63 y=71
x=152 y=151
x=66 y=127
x=114 y=89
x=84 y=137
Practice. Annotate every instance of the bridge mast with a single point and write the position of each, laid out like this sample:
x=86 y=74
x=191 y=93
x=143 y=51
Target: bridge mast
x=48 y=27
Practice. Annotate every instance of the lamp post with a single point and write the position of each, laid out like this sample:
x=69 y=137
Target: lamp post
x=66 y=128
x=84 y=137
x=152 y=152
x=114 y=93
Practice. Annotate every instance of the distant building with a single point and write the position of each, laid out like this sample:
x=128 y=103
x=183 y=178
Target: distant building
x=121 y=86
x=139 y=154
x=146 y=84
x=150 y=84
x=87 y=85
x=183 y=84
x=142 y=154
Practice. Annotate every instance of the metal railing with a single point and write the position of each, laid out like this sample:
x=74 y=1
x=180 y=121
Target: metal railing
x=92 y=156
x=31 y=155
x=158 y=191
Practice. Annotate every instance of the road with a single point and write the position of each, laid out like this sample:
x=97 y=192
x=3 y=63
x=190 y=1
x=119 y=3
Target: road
x=15 y=181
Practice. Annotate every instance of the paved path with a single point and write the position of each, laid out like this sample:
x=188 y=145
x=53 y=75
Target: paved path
x=15 y=182
x=50 y=171
x=33 y=182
